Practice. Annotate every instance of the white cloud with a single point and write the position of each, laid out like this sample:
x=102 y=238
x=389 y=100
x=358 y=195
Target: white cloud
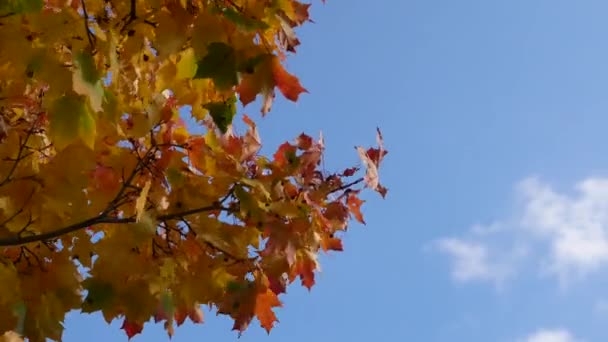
x=574 y=227
x=550 y=335
x=568 y=234
x=471 y=261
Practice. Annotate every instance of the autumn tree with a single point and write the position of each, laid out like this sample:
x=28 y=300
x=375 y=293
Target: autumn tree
x=109 y=201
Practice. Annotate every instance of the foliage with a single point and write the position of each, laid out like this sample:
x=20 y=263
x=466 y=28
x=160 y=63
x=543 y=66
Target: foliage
x=110 y=203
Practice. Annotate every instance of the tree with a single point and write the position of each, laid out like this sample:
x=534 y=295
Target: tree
x=109 y=201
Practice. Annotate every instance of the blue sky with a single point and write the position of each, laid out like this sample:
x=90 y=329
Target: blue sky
x=496 y=223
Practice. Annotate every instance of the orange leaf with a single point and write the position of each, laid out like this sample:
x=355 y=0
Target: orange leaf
x=284 y=154
x=196 y=315
x=331 y=243
x=248 y=90
x=263 y=309
x=305 y=268
x=301 y=13
x=354 y=204
x=288 y=84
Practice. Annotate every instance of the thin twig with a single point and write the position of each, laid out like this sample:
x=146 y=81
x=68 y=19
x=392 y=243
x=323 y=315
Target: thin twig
x=22 y=147
x=346 y=186
x=90 y=35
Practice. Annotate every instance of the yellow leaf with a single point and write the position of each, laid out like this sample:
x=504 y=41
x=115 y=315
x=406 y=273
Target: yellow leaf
x=140 y=203
x=186 y=67
x=221 y=278
x=170 y=33
x=11 y=336
x=5 y=204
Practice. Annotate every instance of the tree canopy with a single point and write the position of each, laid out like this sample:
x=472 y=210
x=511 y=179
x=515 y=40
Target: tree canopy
x=112 y=201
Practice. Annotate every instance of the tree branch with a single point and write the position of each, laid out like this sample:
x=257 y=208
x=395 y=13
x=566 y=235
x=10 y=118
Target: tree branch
x=346 y=186
x=100 y=219
x=90 y=35
x=107 y=216
x=20 y=156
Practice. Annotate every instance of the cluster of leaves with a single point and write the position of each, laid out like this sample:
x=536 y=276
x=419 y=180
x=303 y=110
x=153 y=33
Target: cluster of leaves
x=110 y=203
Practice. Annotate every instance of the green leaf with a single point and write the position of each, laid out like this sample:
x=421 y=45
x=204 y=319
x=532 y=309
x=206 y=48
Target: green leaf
x=222 y=112
x=85 y=62
x=70 y=118
x=249 y=24
x=100 y=295
x=36 y=63
x=110 y=106
x=220 y=65
x=20 y=6
x=167 y=303
x=248 y=66
x=87 y=80
x=20 y=311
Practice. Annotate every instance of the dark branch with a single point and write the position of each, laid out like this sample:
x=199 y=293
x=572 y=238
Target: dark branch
x=20 y=156
x=346 y=186
x=90 y=35
x=100 y=219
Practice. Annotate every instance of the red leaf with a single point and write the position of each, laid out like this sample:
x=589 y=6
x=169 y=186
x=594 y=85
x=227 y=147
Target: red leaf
x=277 y=285
x=304 y=142
x=180 y=316
x=132 y=328
x=106 y=178
x=350 y=171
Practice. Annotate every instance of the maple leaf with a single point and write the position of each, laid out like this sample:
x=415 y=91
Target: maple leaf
x=106 y=187
x=247 y=23
x=285 y=155
x=304 y=267
x=100 y=295
x=331 y=243
x=372 y=159
x=263 y=309
x=288 y=84
x=132 y=328
x=140 y=203
x=354 y=205
x=21 y=6
x=71 y=119
x=222 y=112
x=86 y=80
x=219 y=64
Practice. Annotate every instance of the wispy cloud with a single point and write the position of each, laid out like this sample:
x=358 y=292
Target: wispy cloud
x=575 y=227
x=550 y=335
x=568 y=234
x=472 y=261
